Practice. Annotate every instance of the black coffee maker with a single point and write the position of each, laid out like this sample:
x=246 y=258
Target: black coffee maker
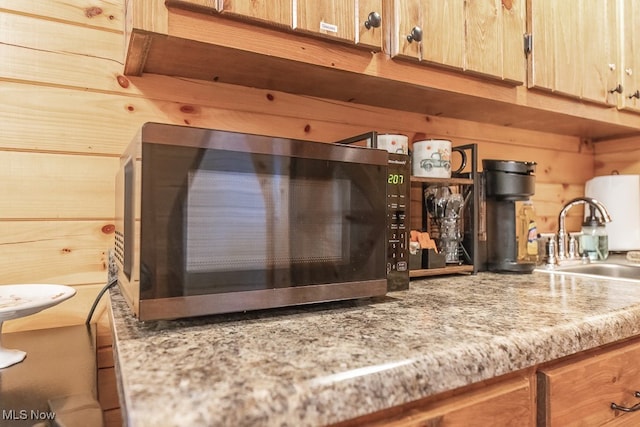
x=505 y=183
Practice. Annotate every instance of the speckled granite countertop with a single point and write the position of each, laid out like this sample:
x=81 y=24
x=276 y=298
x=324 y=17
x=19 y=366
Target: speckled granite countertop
x=326 y=363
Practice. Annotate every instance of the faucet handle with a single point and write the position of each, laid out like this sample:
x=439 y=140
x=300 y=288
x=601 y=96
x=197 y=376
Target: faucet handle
x=551 y=249
x=573 y=247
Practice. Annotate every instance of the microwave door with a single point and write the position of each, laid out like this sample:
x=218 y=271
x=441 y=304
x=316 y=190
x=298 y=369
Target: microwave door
x=230 y=221
x=235 y=221
x=280 y=229
x=320 y=226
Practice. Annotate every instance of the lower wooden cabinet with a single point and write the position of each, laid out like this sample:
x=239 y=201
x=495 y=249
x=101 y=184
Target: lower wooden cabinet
x=505 y=404
x=580 y=391
x=510 y=402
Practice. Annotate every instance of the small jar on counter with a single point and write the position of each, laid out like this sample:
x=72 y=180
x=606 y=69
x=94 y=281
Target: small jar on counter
x=594 y=241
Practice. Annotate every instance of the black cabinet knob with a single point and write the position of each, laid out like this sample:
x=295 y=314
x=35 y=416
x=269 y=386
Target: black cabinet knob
x=416 y=35
x=616 y=89
x=374 y=20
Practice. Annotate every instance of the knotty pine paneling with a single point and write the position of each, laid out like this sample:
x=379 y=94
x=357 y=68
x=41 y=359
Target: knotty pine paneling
x=67 y=112
x=21 y=63
x=42 y=33
x=47 y=251
x=621 y=156
x=104 y=14
x=622 y=163
x=49 y=186
x=71 y=120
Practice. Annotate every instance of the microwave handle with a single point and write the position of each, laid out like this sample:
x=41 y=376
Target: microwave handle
x=371 y=137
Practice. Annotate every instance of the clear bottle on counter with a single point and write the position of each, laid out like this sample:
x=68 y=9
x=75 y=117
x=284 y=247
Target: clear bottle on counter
x=547 y=248
x=527 y=233
x=594 y=241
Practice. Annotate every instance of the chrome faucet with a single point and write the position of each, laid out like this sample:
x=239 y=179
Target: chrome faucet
x=562 y=231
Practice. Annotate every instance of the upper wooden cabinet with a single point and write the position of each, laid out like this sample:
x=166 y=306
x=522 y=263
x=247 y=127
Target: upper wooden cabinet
x=278 y=13
x=629 y=16
x=350 y=21
x=481 y=36
x=480 y=40
x=269 y=11
x=494 y=38
x=369 y=23
x=599 y=50
x=575 y=48
x=429 y=30
x=332 y=18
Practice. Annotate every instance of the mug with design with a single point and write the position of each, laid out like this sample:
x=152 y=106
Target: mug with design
x=432 y=158
x=394 y=143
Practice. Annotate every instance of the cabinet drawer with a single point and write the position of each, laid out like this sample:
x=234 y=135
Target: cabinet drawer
x=508 y=403
x=580 y=393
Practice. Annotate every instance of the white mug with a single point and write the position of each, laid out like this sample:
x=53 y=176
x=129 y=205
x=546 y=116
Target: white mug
x=432 y=158
x=394 y=143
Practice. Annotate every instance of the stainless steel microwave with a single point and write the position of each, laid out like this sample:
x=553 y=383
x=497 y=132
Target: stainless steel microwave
x=210 y=221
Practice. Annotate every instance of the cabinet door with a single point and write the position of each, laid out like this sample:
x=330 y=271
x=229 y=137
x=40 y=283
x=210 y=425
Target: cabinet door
x=574 y=48
x=509 y=403
x=552 y=62
x=542 y=60
x=368 y=34
x=514 y=22
x=599 y=50
x=429 y=30
x=494 y=38
x=484 y=38
x=479 y=36
x=630 y=55
x=580 y=393
x=444 y=31
x=407 y=20
x=278 y=12
x=329 y=18
x=567 y=47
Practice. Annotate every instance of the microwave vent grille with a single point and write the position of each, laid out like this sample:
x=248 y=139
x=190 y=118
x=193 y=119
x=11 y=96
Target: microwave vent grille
x=119 y=247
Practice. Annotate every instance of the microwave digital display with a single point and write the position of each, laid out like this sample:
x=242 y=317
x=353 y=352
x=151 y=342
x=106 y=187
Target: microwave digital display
x=395 y=179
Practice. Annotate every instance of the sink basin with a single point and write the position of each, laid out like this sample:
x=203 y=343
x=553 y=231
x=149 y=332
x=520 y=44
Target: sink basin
x=607 y=270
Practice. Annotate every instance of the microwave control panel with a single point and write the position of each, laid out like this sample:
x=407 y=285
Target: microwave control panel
x=398 y=201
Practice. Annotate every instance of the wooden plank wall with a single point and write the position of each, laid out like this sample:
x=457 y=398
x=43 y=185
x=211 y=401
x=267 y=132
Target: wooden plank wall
x=66 y=112
x=620 y=155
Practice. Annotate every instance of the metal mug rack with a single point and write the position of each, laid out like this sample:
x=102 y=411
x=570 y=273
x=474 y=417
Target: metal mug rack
x=465 y=181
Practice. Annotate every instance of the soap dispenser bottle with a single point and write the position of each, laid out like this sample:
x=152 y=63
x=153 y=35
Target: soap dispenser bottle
x=594 y=241
x=527 y=233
